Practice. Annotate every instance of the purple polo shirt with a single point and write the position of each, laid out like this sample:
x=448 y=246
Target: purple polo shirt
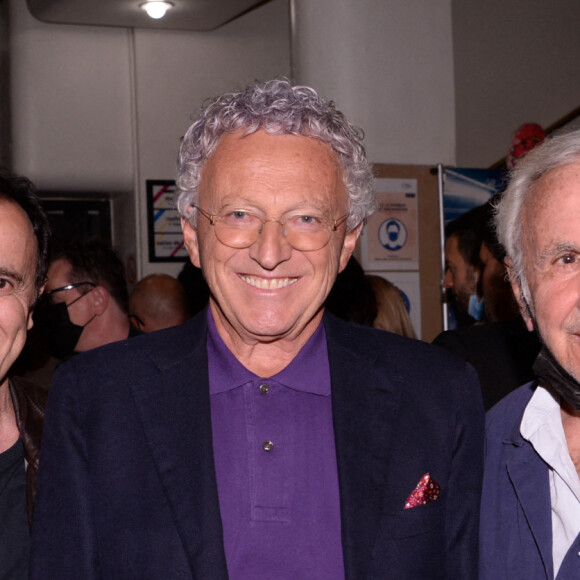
x=277 y=478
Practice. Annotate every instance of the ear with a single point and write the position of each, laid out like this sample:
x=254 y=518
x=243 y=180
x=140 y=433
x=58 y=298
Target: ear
x=348 y=246
x=100 y=300
x=519 y=295
x=190 y=241
x=137 y=323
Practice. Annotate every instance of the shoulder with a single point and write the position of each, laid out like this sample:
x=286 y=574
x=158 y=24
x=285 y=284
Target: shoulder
x=416 y=369
x=507 y=414
x=385 y=347
x=130 y=360
x=27 y=393
x=512 y=405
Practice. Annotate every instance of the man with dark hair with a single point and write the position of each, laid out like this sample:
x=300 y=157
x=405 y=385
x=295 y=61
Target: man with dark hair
x=463 y=266
x=264 y=438
x=24 y=235
x=86 y=299
x=501 y=350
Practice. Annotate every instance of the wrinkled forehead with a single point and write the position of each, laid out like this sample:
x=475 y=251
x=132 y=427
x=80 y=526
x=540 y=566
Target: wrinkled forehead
x=264 y=166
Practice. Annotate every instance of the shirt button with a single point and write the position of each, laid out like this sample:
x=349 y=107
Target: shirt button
x=267 y=446
x=264 y=389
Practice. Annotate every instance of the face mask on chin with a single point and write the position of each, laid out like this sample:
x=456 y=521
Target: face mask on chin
x=476 y=308
x=60 y=334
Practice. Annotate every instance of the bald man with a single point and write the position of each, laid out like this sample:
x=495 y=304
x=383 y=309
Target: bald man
x=158 y=301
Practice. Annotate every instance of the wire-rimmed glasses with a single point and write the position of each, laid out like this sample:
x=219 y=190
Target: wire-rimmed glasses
x=240 y=228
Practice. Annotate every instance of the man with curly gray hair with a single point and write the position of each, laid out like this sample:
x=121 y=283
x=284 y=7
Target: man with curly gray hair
x=264 y=438
x=530 y=523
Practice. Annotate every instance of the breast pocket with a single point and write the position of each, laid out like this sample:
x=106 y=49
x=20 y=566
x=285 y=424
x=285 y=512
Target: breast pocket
x=412 y=540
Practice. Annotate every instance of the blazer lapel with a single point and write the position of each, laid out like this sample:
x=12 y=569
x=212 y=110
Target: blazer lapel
x=529 y=476
x=174 y=407
x=364 y=416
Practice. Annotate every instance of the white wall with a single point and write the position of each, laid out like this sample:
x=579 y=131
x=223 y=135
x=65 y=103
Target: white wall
x=389 y=66
x=176 y=72
x=515 y=62
x=102 y=109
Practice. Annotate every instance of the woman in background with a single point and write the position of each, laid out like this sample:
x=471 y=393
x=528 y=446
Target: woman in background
x=392 y=312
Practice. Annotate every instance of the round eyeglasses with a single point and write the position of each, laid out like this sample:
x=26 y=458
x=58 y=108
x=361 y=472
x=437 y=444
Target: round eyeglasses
x=240 y=228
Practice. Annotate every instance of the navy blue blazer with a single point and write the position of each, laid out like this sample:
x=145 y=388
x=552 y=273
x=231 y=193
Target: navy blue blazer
x=127 y=485
x=516 y=517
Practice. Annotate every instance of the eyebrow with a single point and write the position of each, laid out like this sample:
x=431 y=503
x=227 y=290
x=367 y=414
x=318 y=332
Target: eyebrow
x=5 y=273
x=558 y=249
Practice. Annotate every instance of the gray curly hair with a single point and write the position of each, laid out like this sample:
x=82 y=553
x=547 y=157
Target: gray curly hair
x=278 y=108
x=553 y=153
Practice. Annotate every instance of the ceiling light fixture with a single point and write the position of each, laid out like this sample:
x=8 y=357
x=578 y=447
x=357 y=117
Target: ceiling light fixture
x=156 y=9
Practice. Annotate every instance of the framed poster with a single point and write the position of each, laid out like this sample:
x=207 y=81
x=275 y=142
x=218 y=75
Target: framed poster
x=164 y=223
x=391 y=237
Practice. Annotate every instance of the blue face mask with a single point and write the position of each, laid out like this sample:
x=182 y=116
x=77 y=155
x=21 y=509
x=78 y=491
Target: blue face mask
x=476 y=308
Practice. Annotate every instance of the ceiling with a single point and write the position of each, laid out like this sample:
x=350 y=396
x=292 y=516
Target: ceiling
x=185 y=15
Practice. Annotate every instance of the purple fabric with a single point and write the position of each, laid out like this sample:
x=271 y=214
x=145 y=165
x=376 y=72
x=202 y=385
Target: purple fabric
x=280 y=508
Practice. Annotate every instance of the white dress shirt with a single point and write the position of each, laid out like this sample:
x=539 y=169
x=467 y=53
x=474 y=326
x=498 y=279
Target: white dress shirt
x=542 y=426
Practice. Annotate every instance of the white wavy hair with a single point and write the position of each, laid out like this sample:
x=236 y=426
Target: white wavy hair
x=278 y=108
x=553 y=153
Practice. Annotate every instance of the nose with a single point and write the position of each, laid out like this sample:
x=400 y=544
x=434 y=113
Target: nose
x=271 y=248
x=448 y=280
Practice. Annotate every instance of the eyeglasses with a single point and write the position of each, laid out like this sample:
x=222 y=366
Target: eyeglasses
x=49 y=293
x=239 y=228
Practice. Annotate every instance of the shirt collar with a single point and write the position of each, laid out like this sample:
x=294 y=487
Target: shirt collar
x=542 y=426
x=308 y=372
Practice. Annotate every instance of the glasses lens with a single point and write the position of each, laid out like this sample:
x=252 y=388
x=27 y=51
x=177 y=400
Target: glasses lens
x=237 y=228
x=307 y=232
x=304 y=232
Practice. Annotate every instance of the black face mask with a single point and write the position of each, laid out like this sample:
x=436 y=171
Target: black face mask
x=60 y=334
x=552 y=374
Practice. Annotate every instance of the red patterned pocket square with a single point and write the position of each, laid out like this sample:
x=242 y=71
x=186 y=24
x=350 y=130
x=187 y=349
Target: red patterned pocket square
x=427 y=490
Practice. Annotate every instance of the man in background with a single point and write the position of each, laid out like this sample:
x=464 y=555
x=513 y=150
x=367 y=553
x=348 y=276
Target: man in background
x=530 y=519
x=158 y=301
x=86 y=301
x=463 y=267
x=500 y=348
x=24 y=235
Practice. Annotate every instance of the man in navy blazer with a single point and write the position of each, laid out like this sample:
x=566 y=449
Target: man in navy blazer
x=530 y=518
x=264 y=438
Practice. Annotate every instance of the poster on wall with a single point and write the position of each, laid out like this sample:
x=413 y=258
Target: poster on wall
x=164 y=223
x=465 y=189
x=390 y=240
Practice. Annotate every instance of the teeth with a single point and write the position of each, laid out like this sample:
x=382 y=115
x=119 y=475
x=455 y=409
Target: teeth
x=268 y=283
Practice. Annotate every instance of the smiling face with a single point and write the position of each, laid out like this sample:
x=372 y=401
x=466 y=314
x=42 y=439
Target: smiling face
x=269 y=291
x=552 y=263
x=18 y=260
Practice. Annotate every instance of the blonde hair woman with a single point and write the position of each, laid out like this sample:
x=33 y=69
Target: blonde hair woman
x=392 y=312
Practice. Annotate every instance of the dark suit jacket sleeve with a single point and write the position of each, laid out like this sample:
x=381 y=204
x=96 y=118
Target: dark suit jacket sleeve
x=62 y=531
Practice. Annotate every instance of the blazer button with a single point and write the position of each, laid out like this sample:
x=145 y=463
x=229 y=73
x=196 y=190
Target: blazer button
x=267 y=446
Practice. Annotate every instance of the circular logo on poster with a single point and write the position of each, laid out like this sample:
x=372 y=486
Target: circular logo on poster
x=393 y=234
